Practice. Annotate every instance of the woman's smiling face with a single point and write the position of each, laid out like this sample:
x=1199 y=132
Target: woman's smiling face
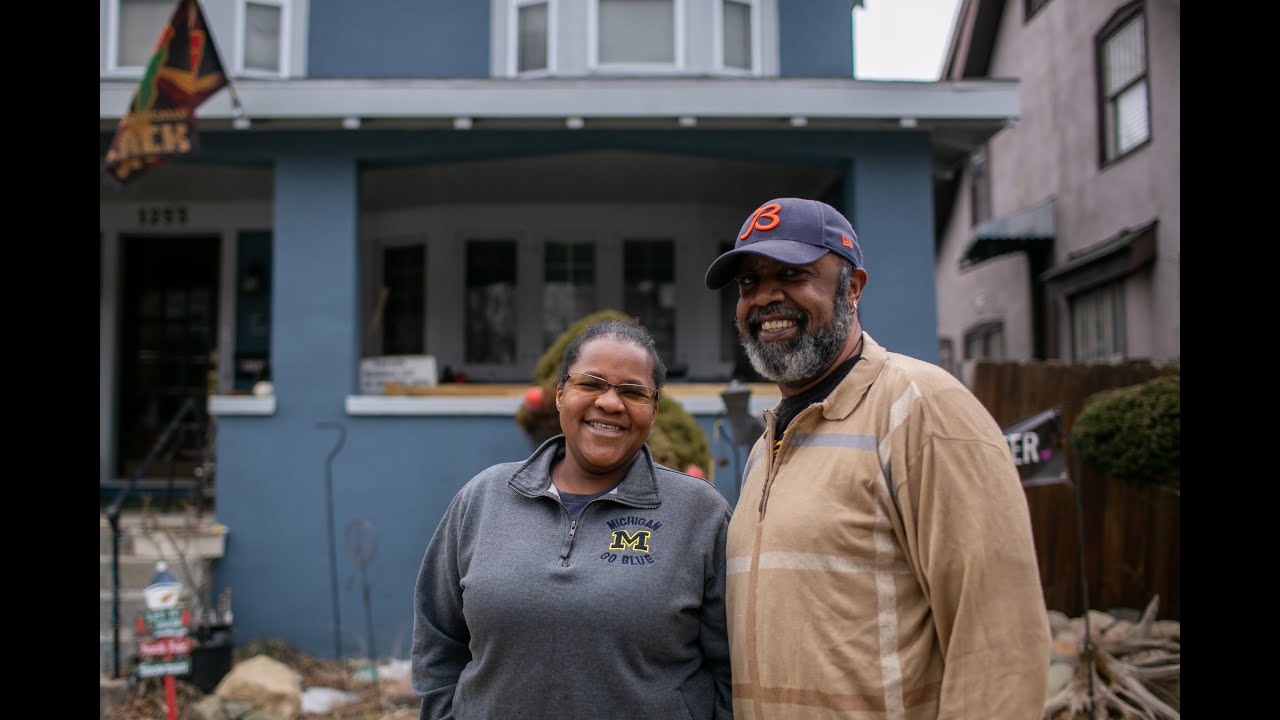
x=603 y=432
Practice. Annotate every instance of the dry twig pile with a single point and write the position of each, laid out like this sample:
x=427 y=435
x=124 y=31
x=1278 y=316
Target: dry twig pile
x=1131 y=669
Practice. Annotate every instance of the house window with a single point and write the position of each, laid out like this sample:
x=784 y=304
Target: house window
x=1122 y=58
x=261 y=35
x=636 y=32
x=532 y=35
x=1031 y=7
x=491 y=301
x=569 y=286
x=980 y=195
x=985 y=341
x=1097 y=324
x=403 y=307
x=649 y=294
x=736 y=34
x=139 y=24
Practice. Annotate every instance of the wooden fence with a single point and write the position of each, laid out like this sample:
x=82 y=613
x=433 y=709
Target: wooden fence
x=1131 y=536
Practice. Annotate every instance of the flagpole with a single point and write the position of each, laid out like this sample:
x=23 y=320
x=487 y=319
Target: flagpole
x=237 y=110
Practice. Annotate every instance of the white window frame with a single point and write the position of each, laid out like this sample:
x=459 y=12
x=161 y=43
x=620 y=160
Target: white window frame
x=593 y=45
x=513 y=38
x=240 y=43
x=111 y=68
x=718 y=39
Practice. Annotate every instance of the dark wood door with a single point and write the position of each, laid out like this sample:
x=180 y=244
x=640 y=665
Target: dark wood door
x=169 y=322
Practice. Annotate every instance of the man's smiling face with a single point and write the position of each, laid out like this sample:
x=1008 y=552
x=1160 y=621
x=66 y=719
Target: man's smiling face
x=793 y=320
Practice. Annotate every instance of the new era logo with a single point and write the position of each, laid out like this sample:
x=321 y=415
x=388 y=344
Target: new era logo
x=845 y=239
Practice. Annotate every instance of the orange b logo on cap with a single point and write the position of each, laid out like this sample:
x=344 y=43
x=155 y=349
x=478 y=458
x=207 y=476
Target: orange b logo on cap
x=769 y=211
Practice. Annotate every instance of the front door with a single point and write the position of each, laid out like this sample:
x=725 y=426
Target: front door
x=168 y=330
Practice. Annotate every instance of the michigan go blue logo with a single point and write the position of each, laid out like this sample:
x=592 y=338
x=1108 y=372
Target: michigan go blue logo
x=639 y=541
x=628 y=546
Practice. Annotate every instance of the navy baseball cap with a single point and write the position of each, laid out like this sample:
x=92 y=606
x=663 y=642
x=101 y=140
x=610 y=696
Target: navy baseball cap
x=790 y=230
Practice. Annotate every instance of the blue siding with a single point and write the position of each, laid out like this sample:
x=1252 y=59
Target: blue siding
x=815 y=38
x=892 y=212
x=397 y=474
x=398 y=39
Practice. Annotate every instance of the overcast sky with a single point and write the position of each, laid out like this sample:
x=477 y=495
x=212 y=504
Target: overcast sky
x=901 y=39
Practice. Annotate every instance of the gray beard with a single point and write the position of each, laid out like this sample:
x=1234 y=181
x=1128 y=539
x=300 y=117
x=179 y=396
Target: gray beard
x=805 y=357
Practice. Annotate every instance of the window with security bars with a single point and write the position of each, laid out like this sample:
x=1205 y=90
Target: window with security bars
x=568 y=286
x=1097 y=325
x=1122 y=59
x=649 y=294
x=491 y=301
x=532 y=38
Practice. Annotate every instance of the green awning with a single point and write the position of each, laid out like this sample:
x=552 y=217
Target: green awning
x=1028 y=228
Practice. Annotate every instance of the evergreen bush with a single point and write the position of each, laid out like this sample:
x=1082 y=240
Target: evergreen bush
x=1133 y=434
x=676 y=440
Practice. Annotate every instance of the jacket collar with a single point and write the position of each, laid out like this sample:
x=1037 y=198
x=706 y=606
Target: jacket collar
x=846 y=396
x=638 y=487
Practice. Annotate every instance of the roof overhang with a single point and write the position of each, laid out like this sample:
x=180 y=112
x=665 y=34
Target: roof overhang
x=978 y=106
x=1118 y=256
x=1026 y=229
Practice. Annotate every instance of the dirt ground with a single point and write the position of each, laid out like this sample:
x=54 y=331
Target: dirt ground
x=390 y=699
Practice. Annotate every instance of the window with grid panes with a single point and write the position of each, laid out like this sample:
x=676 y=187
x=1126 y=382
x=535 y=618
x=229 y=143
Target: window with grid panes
x=491 y=301
x=404 y=272
x=1126 y=121
x=568 y=286
x=649 y=293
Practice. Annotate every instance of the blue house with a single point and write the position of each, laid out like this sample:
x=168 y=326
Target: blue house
x=440 y=187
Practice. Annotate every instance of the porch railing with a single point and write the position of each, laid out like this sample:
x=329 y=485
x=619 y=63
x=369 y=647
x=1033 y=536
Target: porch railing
x=189 y=408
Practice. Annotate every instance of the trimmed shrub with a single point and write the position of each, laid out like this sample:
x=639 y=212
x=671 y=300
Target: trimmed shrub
x=676 y=440
x=1133 y=434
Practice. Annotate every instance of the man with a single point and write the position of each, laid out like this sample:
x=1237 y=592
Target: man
x=881 y=561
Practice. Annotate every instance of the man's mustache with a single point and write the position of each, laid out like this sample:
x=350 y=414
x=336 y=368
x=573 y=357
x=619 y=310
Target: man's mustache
x=777 y=309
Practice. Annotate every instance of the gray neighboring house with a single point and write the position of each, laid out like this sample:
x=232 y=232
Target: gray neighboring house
x=1061 y=236
x=500 y=168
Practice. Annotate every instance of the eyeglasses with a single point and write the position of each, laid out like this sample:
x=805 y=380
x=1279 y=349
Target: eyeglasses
x=628 y=392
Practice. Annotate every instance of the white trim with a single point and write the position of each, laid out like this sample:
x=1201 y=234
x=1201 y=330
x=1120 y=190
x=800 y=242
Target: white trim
x=506 y=406
x=242 y=405
x=815 y=98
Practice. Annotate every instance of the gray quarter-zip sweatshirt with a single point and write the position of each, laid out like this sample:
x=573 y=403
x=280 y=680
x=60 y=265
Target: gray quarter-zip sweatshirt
x=521 y=612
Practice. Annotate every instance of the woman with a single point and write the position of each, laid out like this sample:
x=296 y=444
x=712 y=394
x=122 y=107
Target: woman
x=586 y=581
